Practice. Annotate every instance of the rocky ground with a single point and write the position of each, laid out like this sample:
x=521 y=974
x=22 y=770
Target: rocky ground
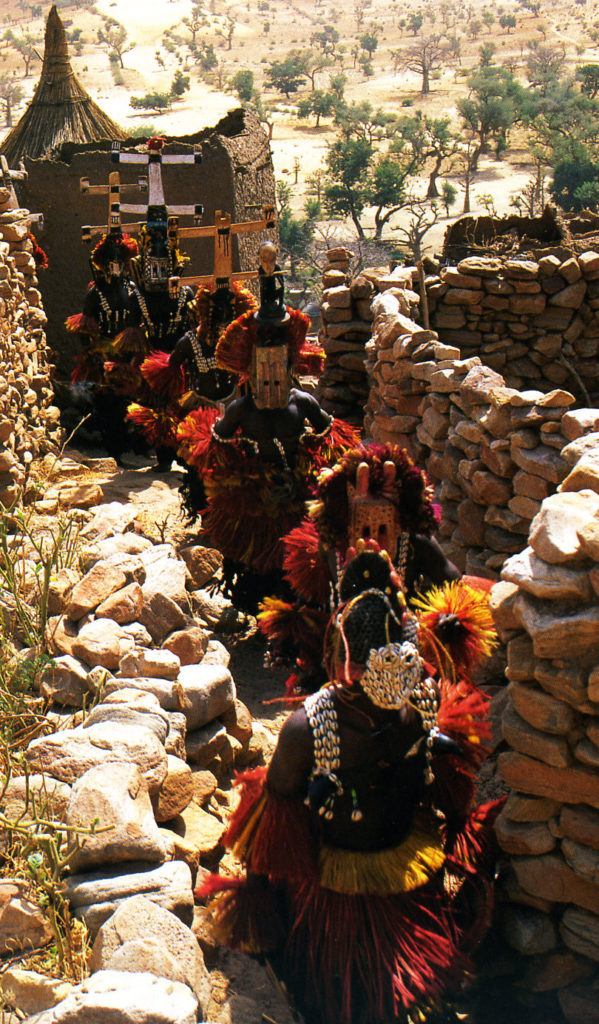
x=157 y=694
x=155 y=697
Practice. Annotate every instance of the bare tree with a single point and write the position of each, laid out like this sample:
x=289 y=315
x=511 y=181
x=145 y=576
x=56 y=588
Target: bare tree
x=454 y=47
x=194 y=21
x=316 y=182
x=230 y=26
x=468 y=158
x=423 y=215
x=11 y=94
x=359 y=12
x=425 y=56
x=531 y=199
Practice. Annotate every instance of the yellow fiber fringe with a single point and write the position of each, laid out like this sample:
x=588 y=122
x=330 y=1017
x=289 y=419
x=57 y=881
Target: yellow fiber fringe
x=241 y=845
x=383 y=872
x=223 y=914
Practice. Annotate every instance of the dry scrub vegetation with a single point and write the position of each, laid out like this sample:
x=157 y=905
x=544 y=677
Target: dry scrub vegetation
x=373 y=107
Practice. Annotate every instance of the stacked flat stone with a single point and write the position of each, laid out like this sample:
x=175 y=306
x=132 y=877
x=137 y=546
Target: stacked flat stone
x=500 y=458
x=29 y=423
x=346 y=328
x=492 y=452
x=523 y=317
x=547 y=611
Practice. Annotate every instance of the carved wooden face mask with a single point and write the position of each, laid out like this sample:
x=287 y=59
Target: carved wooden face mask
x=374 y=516
x=270 y=377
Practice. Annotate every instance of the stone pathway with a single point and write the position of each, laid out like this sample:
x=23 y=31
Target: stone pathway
x=150 y=730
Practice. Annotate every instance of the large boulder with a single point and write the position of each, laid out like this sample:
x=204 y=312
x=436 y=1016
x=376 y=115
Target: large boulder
x=142 y=936
x=120 y=997
x=114 y=795
x=95 y=895
x=69 y=753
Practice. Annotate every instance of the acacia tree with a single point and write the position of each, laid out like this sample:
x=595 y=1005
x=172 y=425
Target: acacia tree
x=325 y=40
x=179 y=84
x=432 y=139
x=156 y=101
x=319 y=103
x=544 y=64
x=359 y=120
x=360 y=176
x=348 y=167
x=369 y=42
x=575 y=184
x=115 y=39
x=294 y=235
x=288 y=74
x=507 y=21
x=588 y=76
x=243 y=84
x=424 y=57
x=490 y=109
x=387 y=192
x=564 y=129
x=315 y=62
x=27 y=48
x=415 y=22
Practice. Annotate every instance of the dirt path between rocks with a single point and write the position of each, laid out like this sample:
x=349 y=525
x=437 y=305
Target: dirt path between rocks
x=242 y=991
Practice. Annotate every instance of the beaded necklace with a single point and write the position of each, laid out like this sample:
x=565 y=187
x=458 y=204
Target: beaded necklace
x=254 y=444
x=203 y=363
x=393 y=677
x=112 y=317
x=322 y=719
x=161 y=330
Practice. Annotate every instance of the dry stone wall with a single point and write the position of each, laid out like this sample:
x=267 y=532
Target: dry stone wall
x=29 y=423
x=535 y=321
x=547 y=612
x=347 y=326
x=492 y=451
x=517 y=474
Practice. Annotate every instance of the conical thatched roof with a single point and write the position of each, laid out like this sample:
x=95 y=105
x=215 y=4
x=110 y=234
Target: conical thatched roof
x=60 y=109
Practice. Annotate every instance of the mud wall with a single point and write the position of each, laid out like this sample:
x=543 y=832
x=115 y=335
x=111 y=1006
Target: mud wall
x=235 y=176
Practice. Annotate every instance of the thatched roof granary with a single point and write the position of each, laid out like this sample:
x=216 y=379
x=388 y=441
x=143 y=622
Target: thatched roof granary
x=60 y=110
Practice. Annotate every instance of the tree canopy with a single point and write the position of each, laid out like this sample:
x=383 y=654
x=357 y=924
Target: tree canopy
x=287 y=75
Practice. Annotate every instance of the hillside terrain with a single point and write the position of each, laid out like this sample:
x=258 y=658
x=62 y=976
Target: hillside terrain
x=212 y=43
